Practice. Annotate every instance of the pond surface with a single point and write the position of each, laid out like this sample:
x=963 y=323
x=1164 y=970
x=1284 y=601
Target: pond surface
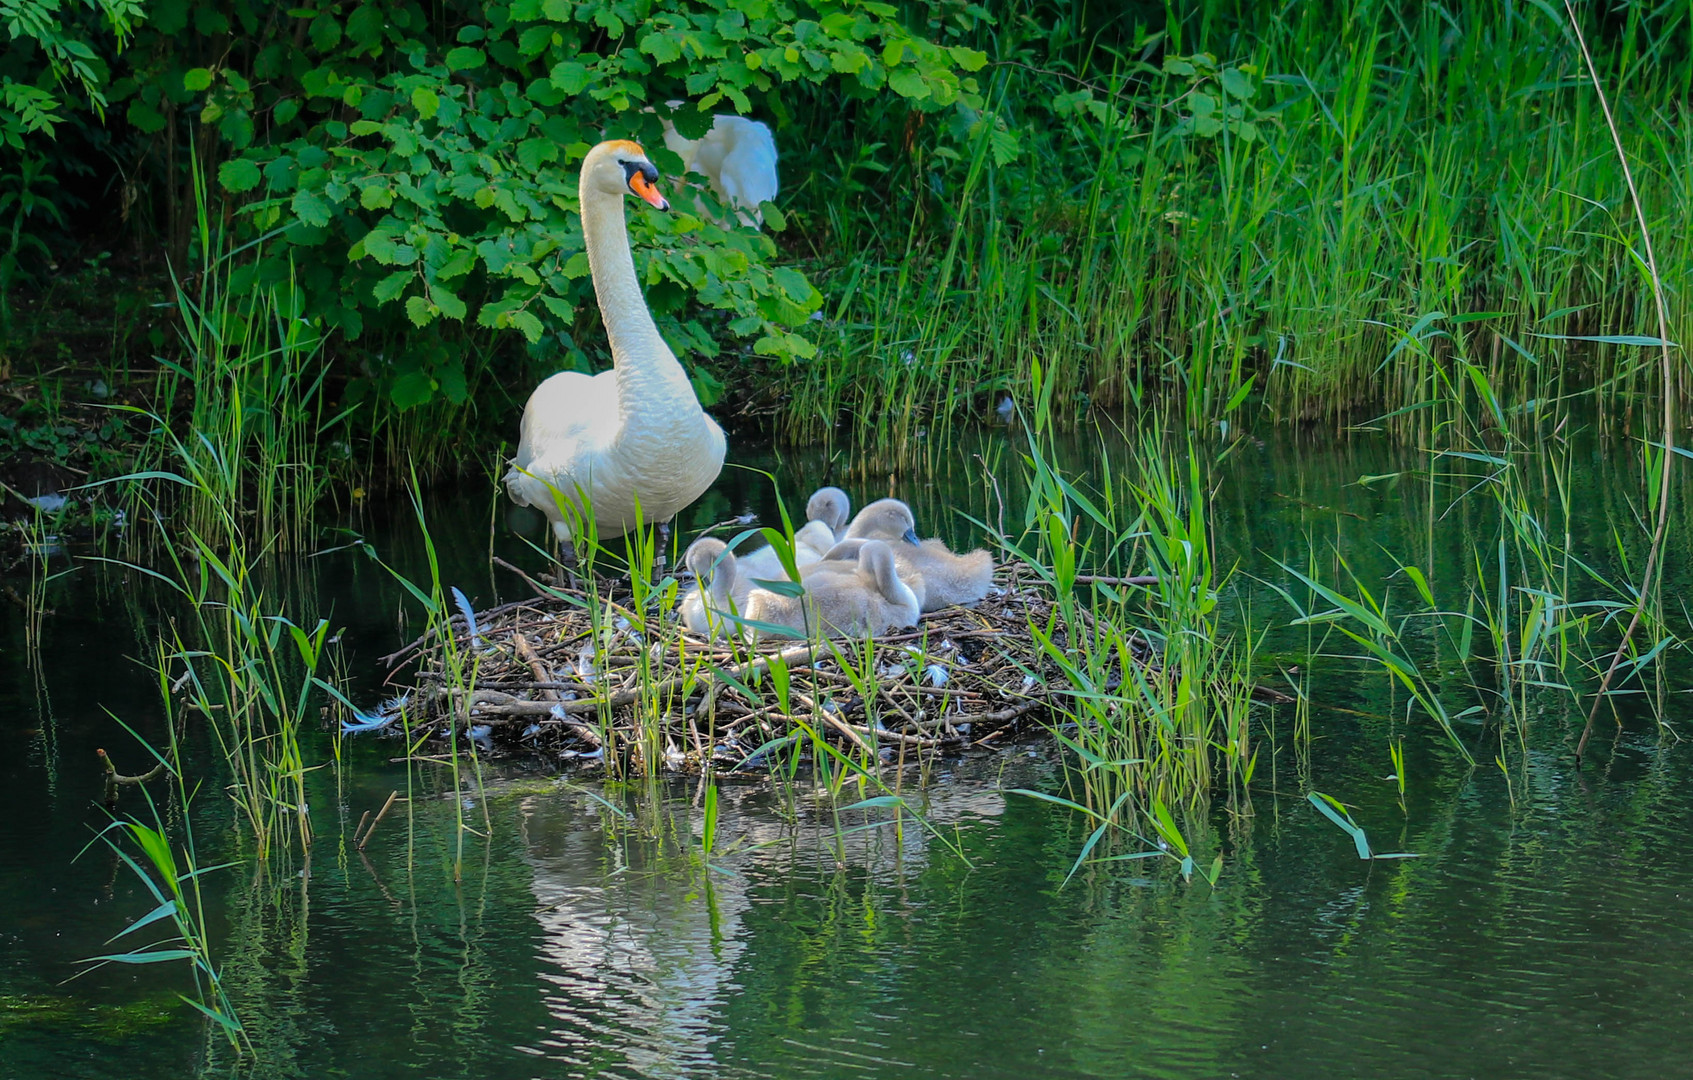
x=1544 y=930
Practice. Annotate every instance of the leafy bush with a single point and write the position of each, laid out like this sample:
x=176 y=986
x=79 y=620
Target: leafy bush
x=412 y=166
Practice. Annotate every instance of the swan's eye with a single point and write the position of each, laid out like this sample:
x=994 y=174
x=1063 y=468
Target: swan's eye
x=641 y=177
x=644 y=169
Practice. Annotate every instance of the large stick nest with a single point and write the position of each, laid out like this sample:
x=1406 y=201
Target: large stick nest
x=571 y=675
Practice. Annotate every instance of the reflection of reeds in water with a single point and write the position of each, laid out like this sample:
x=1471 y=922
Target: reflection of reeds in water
x=168 y=866
x=1521 y=630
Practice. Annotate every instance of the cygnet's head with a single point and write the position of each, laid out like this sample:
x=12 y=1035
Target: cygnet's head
x=620 y=167
x=707 y=557
x=829 y=505
x=885 y=519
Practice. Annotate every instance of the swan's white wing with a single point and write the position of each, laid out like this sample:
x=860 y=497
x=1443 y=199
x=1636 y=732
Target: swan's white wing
x=679 y=145
x=738 y=157
x=748 y=171
x=569 y=417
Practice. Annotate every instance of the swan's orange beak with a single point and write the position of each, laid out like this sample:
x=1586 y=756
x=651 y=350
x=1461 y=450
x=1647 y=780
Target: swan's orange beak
x=640 y=185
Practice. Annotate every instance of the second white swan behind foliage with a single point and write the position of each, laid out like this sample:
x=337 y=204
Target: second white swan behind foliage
x=737 y=157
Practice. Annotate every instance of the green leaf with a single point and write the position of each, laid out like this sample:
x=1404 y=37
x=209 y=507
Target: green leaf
x=392 y=285
x=156 y=956
x=793 y=283
x=1335 y=811
x=325 y=32
x=451 y=378
x=570 y=77
x=195 y=80
x=1166 y=826
x=165 y=910
x=376 y=197
x=462 y=262
x=661 y=47
x=417 y=310
x=413 y=388
x=908 y=83
x=144 y=118
x=529 y=324
x=449 y=303
x=1236 y=83
x=533 y=153
x=426 y=102
x=312 y=208
x=238 y=175
x=1612 y=339
x=1421 y=582
x=384 y=249
x=465 y=58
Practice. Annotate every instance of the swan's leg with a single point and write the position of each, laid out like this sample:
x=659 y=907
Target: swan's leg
x=662 y=551
x=566 y=554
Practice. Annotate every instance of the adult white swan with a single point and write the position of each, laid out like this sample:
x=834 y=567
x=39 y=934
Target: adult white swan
x=737 y=157
x=636 y=432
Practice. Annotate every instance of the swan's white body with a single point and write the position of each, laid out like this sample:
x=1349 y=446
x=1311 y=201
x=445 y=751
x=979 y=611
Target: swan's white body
x=737 y=157
x=636 y=432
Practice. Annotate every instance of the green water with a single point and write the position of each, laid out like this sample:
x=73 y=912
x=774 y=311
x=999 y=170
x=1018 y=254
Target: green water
x=1544 y=931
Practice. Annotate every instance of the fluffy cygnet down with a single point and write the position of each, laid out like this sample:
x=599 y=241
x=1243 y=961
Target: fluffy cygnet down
x=720 y=588
x=857 y=598
x=826 y=516
x=948 y=578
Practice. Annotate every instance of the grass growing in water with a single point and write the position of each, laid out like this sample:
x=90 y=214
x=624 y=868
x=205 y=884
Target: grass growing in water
x=174 y=880
x=1159 y=688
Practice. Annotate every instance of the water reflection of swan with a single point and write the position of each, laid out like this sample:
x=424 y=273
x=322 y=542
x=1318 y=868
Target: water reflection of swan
x=639 y=960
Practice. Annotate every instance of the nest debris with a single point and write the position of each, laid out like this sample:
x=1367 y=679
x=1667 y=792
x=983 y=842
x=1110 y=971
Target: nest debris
x=534 y=682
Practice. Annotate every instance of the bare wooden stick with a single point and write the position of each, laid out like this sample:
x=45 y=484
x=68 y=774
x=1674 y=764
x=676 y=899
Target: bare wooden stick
x=392 y=795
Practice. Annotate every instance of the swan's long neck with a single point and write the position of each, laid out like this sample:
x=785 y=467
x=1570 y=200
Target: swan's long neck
x=649 y=380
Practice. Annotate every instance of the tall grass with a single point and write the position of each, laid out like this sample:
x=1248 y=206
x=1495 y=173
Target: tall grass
x=238 y=661
x=1157 y=709
x=241 y=408
x=1399 y=162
